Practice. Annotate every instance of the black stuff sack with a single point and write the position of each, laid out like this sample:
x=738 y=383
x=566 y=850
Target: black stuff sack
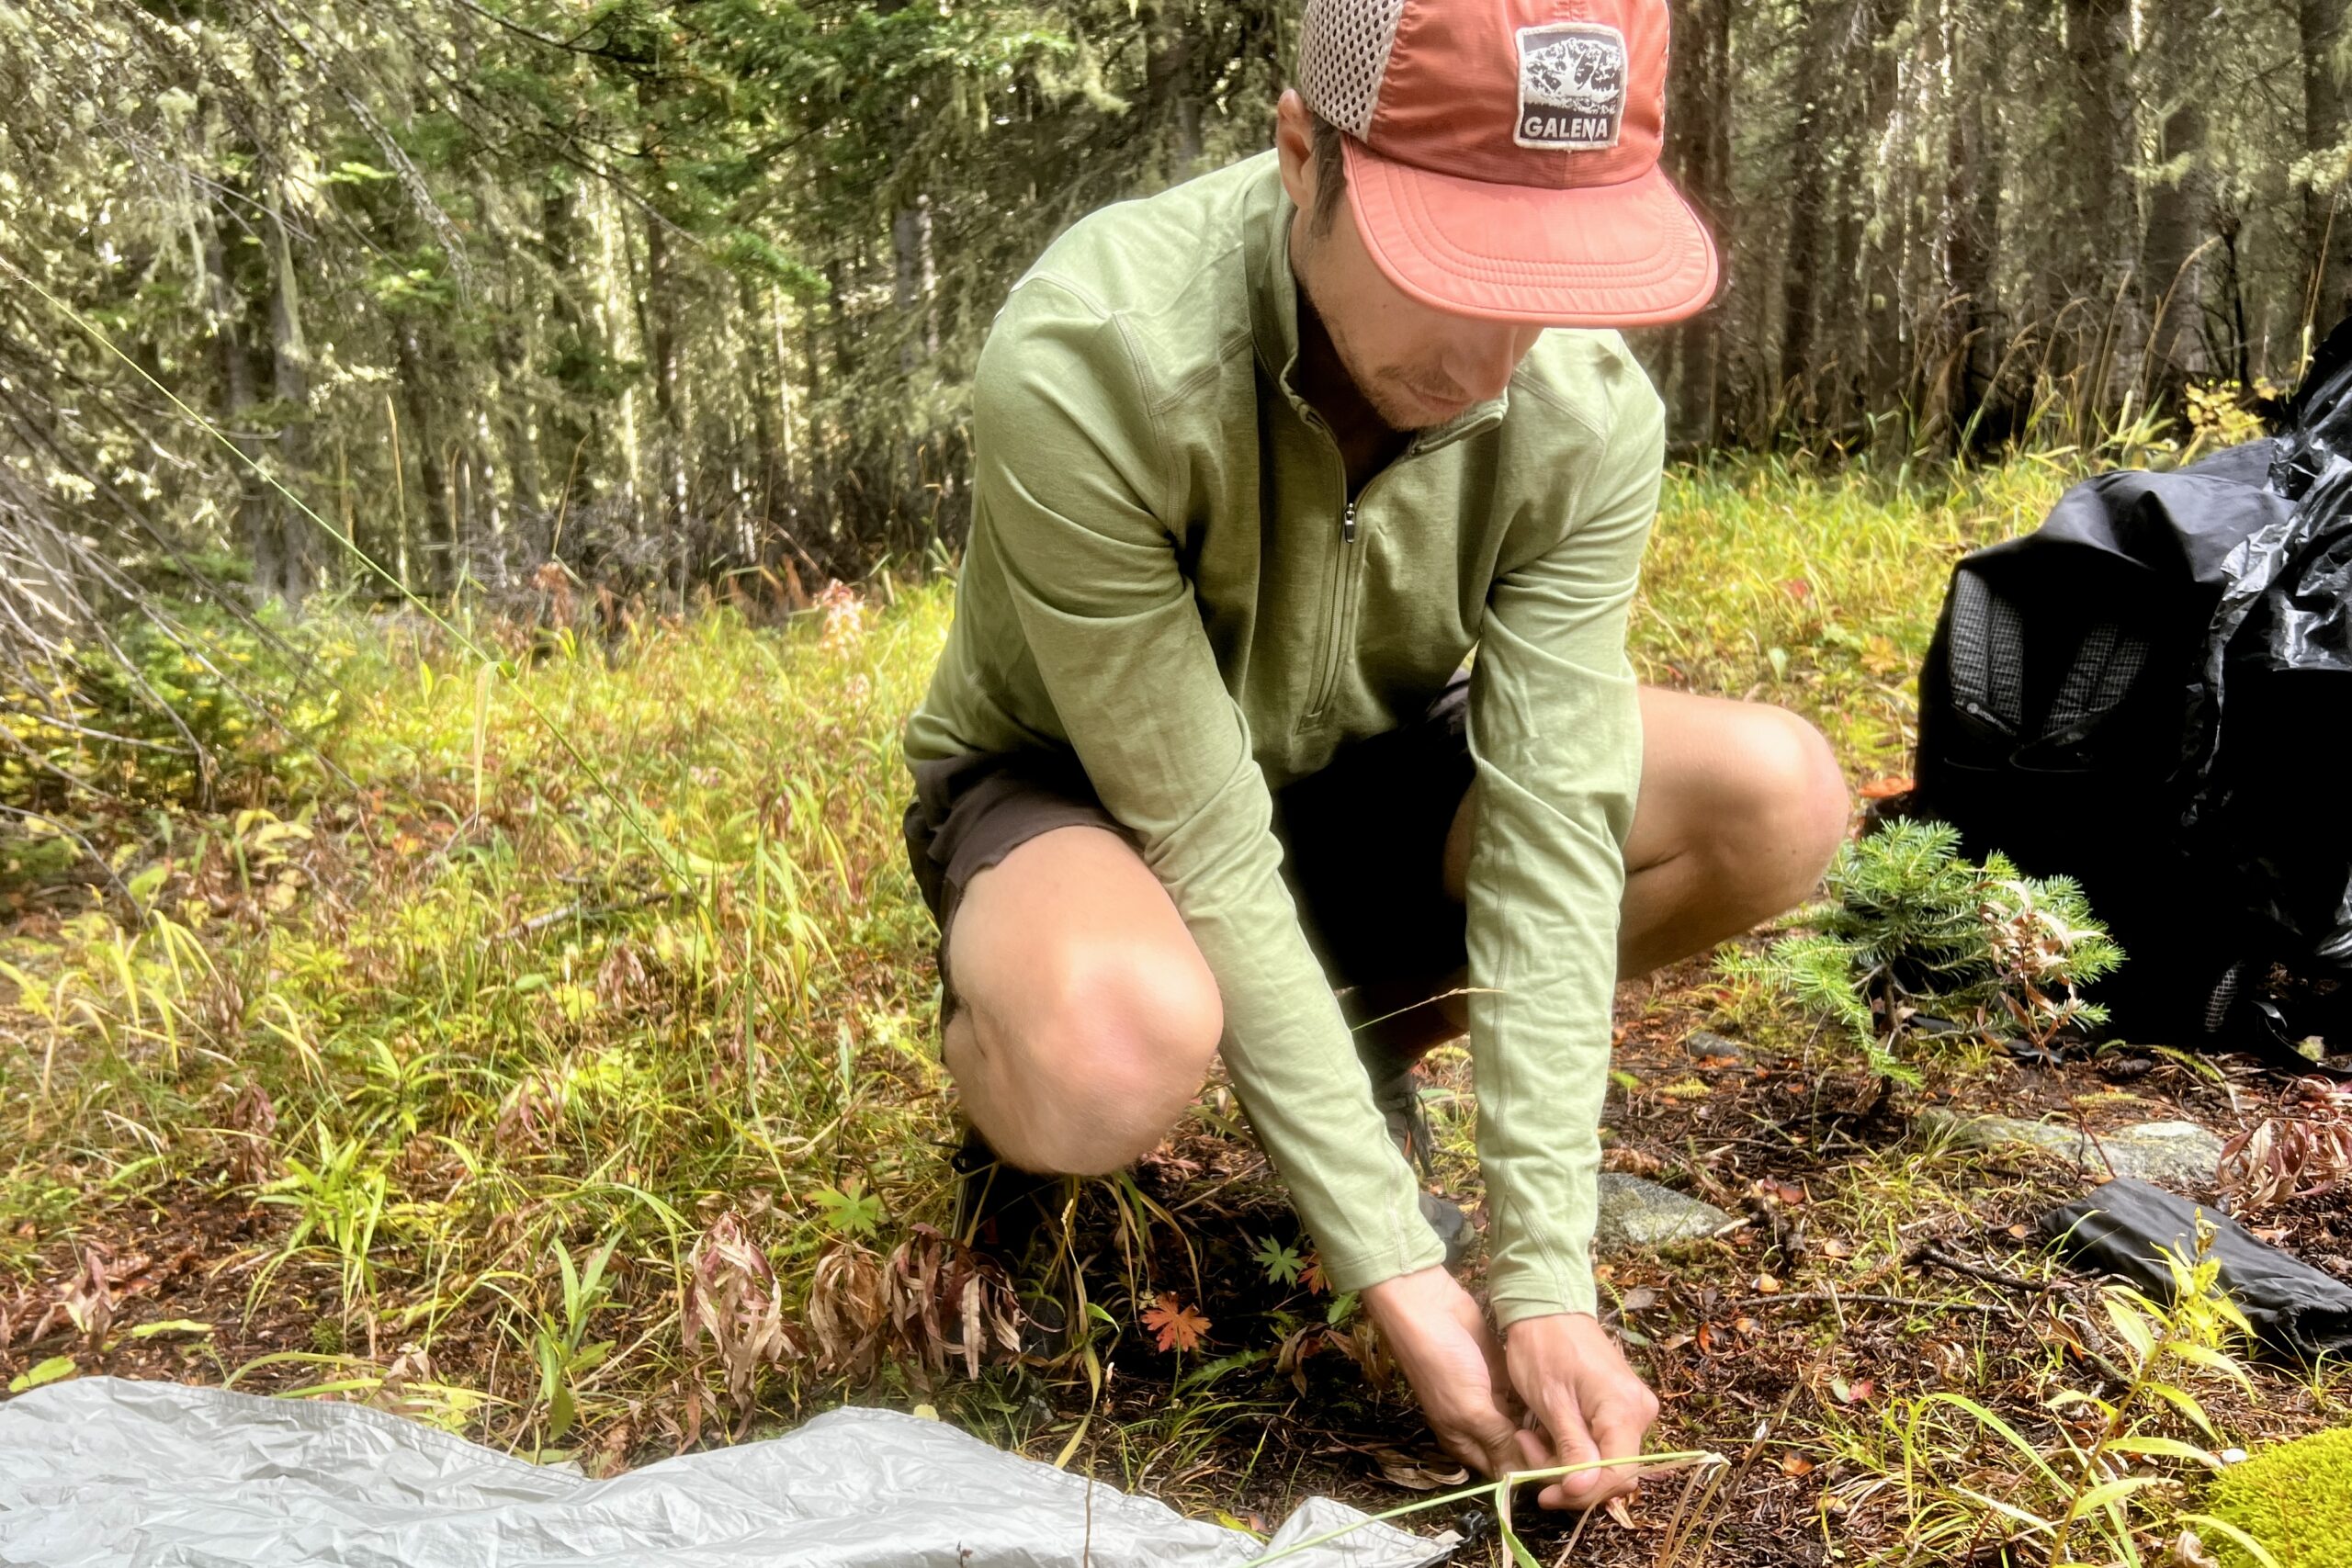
x=2146 y=694
x=2125 y=1228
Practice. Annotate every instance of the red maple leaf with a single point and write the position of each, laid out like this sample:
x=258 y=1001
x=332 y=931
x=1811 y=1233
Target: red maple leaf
x=1176 y=1325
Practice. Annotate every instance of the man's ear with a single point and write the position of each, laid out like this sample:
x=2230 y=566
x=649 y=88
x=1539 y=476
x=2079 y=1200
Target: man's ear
x=1294 y=149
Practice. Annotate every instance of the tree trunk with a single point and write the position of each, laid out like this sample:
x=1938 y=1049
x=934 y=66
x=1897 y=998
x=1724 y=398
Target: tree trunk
x=2104 y=220
x=2327 y=220
x=297 y=547
x=2177 y=203
x=1698 y=151
x=1883 y=356
x=1169 y=90
x=1968 y=349
x=661 y=347
x=433 y=492
x=1809 y=244
x=256 y=518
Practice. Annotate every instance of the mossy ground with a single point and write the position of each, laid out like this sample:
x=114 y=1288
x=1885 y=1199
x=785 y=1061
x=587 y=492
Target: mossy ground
x=2293 y=1497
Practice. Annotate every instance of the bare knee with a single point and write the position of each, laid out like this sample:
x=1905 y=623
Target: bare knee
x=1114 y=1049
x=1789 y=809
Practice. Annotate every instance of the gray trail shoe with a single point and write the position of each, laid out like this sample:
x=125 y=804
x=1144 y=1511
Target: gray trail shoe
x=1398 y=1092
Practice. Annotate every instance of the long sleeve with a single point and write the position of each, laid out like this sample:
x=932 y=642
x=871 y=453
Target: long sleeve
x=1555 y=733
x=1074 y=492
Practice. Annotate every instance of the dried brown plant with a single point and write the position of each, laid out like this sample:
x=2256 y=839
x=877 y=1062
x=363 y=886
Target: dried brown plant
x=946 y=1299
x=732 y=1297
x=2303 y=1150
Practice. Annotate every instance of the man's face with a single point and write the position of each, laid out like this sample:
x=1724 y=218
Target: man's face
x=1416 y=366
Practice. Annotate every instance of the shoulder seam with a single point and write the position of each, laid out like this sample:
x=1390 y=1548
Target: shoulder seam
x=1583 y=416
x=1207 y=372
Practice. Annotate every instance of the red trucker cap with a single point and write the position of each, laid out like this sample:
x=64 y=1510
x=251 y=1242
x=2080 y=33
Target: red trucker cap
x=1502 y=154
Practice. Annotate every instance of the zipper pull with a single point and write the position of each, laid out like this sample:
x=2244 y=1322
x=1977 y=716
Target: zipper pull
x=1348 y=524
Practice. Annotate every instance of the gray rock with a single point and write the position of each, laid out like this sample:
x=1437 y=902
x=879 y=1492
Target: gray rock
x=1634 y=1212
x=1705 y=1042
x=2180 y=1156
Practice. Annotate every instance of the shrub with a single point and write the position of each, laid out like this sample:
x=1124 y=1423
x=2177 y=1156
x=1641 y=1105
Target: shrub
x=189 y=714
x=2295 y=1498
x=1913 y=929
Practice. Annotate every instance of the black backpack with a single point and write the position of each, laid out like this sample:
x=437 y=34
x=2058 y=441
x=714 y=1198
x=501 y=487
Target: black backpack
x=2147 y=693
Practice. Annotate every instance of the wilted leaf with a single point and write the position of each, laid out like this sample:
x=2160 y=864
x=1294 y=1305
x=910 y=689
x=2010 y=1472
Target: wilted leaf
x=733 y=1300
x=848 y=1311
x=945 y=1299
x=1425 y=1475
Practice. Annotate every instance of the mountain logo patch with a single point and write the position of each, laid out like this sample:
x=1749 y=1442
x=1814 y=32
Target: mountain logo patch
x=1571 y=86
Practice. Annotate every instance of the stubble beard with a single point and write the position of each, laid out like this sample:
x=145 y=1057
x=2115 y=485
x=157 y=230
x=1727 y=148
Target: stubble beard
x=1383 y=388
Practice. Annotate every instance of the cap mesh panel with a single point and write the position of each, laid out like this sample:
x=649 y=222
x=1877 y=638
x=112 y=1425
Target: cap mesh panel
x=1342 y=53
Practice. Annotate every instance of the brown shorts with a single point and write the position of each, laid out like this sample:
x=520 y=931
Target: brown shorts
x=1363 y=841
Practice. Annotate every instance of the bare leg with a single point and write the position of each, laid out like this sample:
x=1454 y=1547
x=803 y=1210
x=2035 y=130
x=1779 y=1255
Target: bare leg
x=1086 y=1017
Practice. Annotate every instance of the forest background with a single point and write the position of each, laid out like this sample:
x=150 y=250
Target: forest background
x=687 y=294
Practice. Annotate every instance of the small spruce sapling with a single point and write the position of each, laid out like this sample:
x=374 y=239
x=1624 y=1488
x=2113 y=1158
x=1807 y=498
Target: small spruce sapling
x=1910 y=926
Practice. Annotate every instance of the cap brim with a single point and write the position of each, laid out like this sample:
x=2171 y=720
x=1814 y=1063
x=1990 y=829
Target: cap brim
x=1621 y=255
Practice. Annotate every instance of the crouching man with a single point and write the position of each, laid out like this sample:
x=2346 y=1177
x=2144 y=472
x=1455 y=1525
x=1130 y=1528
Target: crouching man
x=1260 y=463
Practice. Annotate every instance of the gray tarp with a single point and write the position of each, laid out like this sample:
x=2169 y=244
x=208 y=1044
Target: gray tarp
x=100 y=1470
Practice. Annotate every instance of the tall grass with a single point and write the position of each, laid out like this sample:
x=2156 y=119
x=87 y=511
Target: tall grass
x=500 y=1045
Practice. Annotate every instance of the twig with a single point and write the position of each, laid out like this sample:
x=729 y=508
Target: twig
x=583 y=910
x=1941 y=1259
x=1815 y=1296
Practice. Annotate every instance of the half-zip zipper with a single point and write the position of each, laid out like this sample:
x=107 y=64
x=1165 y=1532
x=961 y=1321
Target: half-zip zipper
x=1343 y=579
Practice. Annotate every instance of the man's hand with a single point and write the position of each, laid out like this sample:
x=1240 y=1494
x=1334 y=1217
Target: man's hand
x=1565 y=1369
x=1570 y=1373
x=1440 y=1337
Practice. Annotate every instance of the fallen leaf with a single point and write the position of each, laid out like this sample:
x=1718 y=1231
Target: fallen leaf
x=1631 y=1162
x=1175 y=1325
x=1430 y=1475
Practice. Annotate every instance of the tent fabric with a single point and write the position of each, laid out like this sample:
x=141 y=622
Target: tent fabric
x=104 y=1470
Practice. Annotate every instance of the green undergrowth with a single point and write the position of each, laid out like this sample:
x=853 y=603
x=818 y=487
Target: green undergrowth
x=1817 y=588
x=594 y=1110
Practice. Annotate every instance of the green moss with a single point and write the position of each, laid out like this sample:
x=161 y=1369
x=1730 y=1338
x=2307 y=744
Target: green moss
x=2295 y=1498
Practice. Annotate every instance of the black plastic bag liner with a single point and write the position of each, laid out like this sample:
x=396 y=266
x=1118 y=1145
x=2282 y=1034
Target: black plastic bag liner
x=99 y=1470
x=2124 y=1228
x=2146 y=694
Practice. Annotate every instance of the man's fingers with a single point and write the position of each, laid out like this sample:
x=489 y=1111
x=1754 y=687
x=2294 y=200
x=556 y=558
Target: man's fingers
x=1619 y=1429
x=1572 y=1444
x=1480 y=1434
